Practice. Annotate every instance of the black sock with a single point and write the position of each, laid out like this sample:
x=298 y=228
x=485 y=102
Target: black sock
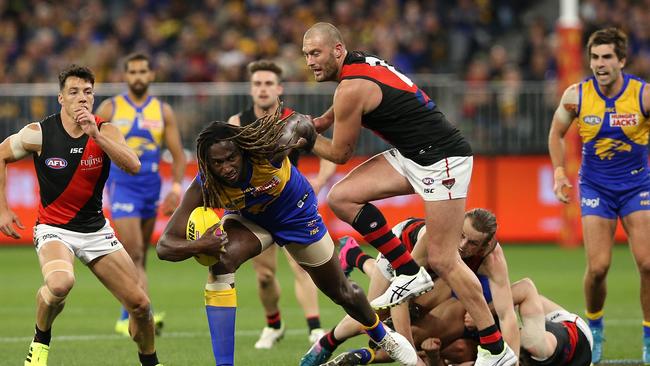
x=329 y=342
x=43 y=337
x=148 y=360
x=313 y=322
x=274 y=321
x=356 y=257
x=491 y=339
x=371 y=223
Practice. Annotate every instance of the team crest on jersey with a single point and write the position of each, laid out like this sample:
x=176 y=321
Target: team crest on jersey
x=591 y=120
x=449 y=182
x=606 y=148
x=623 y=120
x=56 y=163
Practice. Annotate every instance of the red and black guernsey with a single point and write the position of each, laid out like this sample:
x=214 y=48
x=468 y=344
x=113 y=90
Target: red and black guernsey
x=572 y=348
x=71 y=176
x=406 y=117
x=248 y=116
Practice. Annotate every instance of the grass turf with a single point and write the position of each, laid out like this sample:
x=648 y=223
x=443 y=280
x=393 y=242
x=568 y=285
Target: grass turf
x=83 y=333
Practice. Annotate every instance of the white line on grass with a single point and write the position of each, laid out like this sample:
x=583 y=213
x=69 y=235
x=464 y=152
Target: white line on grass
x=105 y=337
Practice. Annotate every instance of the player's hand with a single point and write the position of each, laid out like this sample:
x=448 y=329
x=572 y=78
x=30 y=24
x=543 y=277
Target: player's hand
x=86 y=121
x=214 y=241
x=321 y=124
x=170 y=202
x=7 y=220
x=561 y=185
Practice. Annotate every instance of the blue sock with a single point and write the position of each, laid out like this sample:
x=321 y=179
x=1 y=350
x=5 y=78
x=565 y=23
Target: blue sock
x=367 y=355
x=646 y=330
x=596 y=323
x=376 y=332
x=221 y=306
x=125 y=314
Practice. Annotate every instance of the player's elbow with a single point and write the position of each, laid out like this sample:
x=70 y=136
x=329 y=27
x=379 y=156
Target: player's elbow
x=341 y=157
x=162 y=249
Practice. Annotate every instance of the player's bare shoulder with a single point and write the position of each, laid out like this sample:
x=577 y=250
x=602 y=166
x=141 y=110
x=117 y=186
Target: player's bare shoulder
x=570 y=99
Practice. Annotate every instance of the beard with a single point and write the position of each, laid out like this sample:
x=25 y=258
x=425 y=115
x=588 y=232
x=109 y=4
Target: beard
x=139 y=89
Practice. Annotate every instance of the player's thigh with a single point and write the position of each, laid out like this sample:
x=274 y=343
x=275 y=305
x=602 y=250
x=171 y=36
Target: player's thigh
x=54 y=250
x=598 y=233
x=130 y=234
x=267 y=261
x=374 y=179
x=118 y=274
x=297 y=270
x=245 y=240
x=637 y=226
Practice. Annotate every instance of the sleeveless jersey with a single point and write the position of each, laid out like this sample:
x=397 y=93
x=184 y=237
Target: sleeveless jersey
x=143 y=128
x=279 y=199
x=71 y=176
x=406 y=117
x=248 y=116
x=614 y=133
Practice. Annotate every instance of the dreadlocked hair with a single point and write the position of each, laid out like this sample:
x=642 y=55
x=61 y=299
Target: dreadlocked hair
x=259 y=140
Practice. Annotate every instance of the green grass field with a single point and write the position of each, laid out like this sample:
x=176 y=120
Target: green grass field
x=83 y=333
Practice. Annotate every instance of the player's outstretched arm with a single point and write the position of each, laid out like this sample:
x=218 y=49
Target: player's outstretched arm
x=496 y=268
x=352 y=99
x=15 y=147
x=173 y=245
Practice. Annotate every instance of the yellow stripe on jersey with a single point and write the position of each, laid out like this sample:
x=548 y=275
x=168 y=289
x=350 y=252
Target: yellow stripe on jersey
x=265 y=185
x=625 y=114
x=150 y=119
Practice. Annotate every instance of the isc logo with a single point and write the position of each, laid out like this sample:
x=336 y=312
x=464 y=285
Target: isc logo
x=56 y=163
x=77 y=150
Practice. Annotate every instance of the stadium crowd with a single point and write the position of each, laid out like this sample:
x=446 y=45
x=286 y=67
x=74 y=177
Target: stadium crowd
x=213 y=40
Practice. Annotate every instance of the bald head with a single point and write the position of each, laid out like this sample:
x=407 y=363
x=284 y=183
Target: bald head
x=328 y=34
x=324 y=51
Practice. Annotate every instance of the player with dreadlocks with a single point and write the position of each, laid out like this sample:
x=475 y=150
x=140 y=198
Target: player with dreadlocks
x=246 y=171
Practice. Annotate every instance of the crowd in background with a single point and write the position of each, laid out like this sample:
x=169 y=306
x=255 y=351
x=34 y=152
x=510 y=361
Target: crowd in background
x=493 y=46
x=213 y=40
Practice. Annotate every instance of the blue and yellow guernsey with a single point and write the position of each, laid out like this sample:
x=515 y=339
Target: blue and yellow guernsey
x=143 y=128
x=279 y=199
x=614 y=134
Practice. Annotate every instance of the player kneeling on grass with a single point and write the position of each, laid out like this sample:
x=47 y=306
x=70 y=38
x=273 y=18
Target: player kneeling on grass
x=246 y=171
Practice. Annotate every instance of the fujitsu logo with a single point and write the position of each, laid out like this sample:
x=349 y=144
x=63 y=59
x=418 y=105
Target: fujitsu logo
x=92 y=161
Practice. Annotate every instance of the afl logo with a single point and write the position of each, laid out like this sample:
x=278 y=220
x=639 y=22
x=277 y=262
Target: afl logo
x=427 y=181
x=56 y=163
x=591 y=120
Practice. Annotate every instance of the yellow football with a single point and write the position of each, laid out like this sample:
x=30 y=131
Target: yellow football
x=200 y=220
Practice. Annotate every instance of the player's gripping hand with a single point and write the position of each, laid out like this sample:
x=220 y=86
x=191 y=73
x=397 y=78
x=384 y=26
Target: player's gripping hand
x=561 y=185
x=7 y=220
x=213 y=242
x=86 y=121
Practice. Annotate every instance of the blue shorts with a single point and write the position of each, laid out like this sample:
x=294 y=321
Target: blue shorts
x=612 y=203
x=136 y=198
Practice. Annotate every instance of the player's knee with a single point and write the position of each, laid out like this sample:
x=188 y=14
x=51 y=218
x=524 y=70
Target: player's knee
x=598 y=271
x=139 y=306
x=227 y=264
x=644 y=266
x=60 y=283
x=336 y=198
x=442 y=265
x=265 y=277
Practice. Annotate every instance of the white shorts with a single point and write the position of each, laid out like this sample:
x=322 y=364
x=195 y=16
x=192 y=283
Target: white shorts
x=444 y=180
x=559 y=316
x=86 y=246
